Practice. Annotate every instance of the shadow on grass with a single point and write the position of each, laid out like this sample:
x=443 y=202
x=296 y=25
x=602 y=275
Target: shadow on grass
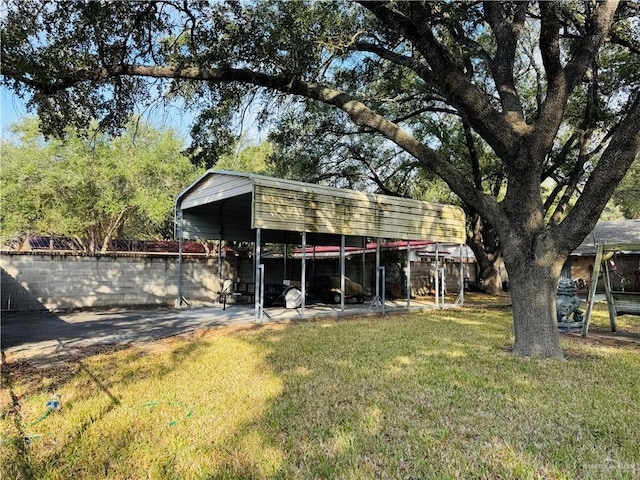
x=91 y=378
x=429 y=395
x=433 y=395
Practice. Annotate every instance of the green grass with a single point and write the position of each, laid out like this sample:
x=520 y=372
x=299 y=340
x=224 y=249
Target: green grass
x=424 y=395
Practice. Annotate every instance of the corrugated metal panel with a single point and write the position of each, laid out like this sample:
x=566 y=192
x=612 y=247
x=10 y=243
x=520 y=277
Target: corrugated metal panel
x=354 y=213
x=215 y=188
x=196 y=227
x=220 y=201
x=229 y=218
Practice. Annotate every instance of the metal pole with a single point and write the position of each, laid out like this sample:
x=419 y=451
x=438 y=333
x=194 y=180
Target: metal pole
x=342 y=270
x=437 y=278
x=364 y=263
x=384 y=293
x=303 y=281
x=378 y=270
x=180 y=267
x=261 y=313
x=443 y=297
x=285 y=262
x=462 y=264
x=258 y=279
x=220 y=263
x=408 y=273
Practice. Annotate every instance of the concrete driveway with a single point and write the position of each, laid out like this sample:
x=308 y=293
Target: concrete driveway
x=44 y=338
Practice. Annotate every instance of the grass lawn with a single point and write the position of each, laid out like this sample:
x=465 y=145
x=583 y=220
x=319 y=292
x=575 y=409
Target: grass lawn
x=423 y=395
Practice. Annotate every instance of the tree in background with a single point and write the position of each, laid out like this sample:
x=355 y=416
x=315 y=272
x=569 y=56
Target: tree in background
x=627 y=195
x=248 y=157
x=91 y=188
x=566 y=113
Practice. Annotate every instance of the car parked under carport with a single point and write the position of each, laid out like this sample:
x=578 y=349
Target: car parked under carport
x=326 y=288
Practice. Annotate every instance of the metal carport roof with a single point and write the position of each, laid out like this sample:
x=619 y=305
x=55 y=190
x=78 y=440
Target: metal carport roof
x=232 y=205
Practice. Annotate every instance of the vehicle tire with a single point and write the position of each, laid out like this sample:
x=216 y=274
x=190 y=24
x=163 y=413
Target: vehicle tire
x=360 y=299
x=336 y=297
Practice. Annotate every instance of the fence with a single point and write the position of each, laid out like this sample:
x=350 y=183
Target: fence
x=65 y=281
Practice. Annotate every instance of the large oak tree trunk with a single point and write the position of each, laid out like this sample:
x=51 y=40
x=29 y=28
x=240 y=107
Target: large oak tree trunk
x=533 y=287
x=533 y=256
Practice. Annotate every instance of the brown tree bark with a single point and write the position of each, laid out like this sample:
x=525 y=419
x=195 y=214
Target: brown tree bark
x=533 y=294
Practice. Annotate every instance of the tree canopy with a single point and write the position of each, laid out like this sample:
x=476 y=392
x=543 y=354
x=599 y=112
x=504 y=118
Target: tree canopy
x=627 y=196
x=248 y=157
x=91 y=188
x=542 y=91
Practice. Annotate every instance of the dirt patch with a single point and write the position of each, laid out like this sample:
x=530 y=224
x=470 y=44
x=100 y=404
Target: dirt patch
x=609 y=339
x=31 y=377
x=31 y=380
x=623 y=340
x=626 y=340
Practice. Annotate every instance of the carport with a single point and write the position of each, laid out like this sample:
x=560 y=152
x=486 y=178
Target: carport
x=237 y=206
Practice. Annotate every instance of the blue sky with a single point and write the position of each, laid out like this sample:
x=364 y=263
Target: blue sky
x=13 y=109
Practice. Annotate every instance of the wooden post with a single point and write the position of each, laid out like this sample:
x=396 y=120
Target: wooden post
x=610 y=301
x=592 y=289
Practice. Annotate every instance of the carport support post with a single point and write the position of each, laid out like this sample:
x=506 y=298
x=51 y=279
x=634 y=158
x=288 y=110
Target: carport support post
x=284 y=275
x=220 y=265
x=408 y=273
x=261 y=311
x=342 y=269
x=384 y=290
x=303 y=280
x=462 y=248
x=443 y=298
x=437 y=279
x=258 y=287
x=378 y=271
x=364 y=262
x=180 y=267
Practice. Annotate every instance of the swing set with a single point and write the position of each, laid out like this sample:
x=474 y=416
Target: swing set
x=619 y=302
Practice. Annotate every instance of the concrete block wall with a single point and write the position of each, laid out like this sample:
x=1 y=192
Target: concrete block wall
x=34 y=281
x=422 y=276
